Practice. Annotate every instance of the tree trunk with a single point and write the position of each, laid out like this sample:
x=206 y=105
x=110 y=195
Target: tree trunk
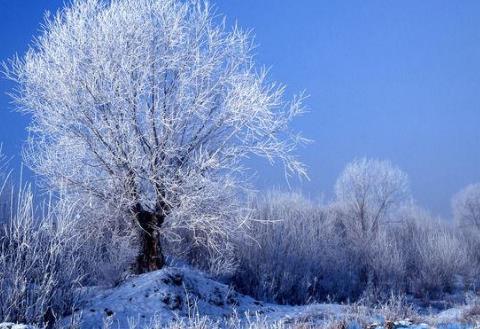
x=150 y=257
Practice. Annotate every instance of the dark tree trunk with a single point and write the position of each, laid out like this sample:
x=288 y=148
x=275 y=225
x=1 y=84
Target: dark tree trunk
x=150 y=257
x=49 y=319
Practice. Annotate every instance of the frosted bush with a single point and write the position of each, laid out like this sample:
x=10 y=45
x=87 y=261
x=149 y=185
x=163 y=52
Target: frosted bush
x=300 y=252
x=38 y=262
x=48 y=251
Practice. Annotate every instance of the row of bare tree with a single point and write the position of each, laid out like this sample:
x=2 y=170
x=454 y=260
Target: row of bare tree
x=370 y=240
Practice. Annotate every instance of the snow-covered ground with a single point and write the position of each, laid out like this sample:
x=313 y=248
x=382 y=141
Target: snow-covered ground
x=164 y=296
x=176 y=293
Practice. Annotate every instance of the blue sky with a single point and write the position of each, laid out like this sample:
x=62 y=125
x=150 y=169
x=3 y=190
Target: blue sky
x=396 y=80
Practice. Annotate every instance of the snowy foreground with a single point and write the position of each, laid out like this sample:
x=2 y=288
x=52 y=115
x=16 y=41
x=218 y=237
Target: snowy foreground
x=173 y=295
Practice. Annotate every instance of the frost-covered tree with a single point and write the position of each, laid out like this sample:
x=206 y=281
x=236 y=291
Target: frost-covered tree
x=151 y=106
x=366 y=193
x=466 y=207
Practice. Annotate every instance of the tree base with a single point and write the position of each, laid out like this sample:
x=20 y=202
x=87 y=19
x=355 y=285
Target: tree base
x=150 y=256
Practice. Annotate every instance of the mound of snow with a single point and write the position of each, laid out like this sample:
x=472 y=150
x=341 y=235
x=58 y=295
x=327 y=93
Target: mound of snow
x=175 y=293
x=163 y=295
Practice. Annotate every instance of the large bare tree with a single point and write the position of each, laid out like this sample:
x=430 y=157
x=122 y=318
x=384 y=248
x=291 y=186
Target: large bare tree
x=151 y=106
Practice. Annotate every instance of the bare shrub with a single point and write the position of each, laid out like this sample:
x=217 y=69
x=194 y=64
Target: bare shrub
x=395 y=308
x=48 y=251
x=386 y=263
x=436 y=254
x=236 y=321
x=441 y=257
x=38 y=262
x=300 y=252
x=292 y=254
x=466 y=212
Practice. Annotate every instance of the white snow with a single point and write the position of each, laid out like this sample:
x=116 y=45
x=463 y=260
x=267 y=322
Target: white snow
x=177 y=292
x=9 y=325
x=172 y=293
x=164 y=295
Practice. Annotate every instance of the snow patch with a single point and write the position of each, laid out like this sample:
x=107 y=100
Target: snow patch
x=9 y=325
x=164 y=295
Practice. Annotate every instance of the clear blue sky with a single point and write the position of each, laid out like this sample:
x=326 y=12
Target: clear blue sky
x=398 y=80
